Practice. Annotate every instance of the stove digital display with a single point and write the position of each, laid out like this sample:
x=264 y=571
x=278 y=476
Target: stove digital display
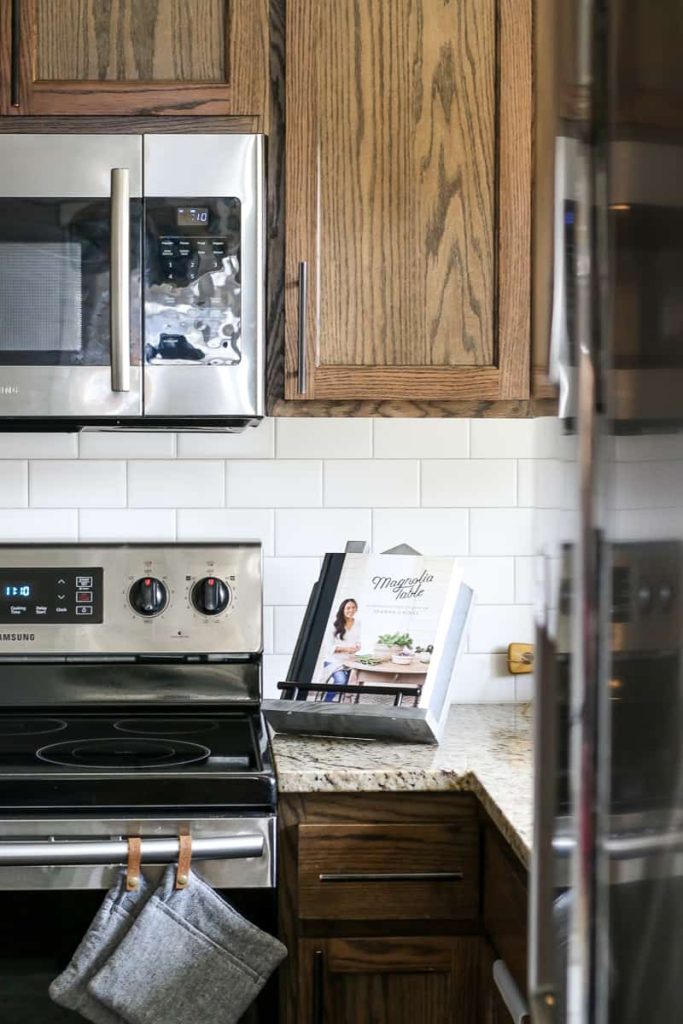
x=51 y=596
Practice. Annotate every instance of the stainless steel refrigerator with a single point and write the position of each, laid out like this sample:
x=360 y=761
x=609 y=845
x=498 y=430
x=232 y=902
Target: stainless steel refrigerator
x=606 y=915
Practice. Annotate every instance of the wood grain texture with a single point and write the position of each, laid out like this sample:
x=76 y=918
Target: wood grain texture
x=370 y=848
x=505 y=905
x=514 y=197
x=394 y=198
x=395 y=981
x=145 y=56
x=127 y=125
x=131 y=41
x=407 y=404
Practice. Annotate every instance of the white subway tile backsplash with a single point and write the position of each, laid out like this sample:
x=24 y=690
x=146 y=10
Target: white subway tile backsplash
x=315 y=531
x=502 y=439
x=468 y=483
x=175 y=484
x=39 y=525
x=140 y=444
x=77 y=483
x=268 y=629
x=421 y=439
x=480 y=678
x=38 y=446
x=127 y=524
x=288 y=581
x=431 y=531
x=493 y=627
x=274 y=671
x=376 y=483
x=13 y=483
x=287 y=625
x=288 y=483
x=252 y=443
x=501 y=531
x=221 y=524
x=305 y=486
x=492 y=579
x=525 y=569
x=323 y=438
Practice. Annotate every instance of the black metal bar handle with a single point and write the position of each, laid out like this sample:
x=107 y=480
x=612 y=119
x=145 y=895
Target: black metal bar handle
x=16 y=46
x=318 y=1002
x=303 y=316
x=393 y=876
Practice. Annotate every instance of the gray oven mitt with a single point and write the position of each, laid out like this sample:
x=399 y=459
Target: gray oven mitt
x=112 y=921
x=188 y=957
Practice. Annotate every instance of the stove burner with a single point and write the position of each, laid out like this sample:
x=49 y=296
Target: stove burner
x=123 y=752
x=30 y=726
x=165 y=726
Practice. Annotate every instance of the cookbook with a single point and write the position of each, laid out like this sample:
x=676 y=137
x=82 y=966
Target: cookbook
x=377 y=650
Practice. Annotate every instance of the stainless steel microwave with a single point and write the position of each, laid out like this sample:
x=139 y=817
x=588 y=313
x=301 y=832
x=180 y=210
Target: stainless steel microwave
x=131 y=281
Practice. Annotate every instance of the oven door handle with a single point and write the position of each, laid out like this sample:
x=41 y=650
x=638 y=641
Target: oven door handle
x=111 y=851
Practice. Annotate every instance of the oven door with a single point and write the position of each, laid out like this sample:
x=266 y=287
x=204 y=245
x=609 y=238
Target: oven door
x=53 y=874
x=70 y=276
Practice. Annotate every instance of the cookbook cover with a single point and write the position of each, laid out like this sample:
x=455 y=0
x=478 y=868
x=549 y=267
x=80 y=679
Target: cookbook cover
x=379 y=643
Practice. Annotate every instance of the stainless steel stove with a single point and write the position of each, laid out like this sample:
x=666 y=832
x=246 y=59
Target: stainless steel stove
x=130 y=689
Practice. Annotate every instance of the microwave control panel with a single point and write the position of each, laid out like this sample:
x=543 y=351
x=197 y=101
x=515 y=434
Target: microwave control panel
x=192 y=282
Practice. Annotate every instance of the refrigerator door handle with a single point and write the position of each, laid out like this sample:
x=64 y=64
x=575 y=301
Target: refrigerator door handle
x=542 y=981
x=560 y=371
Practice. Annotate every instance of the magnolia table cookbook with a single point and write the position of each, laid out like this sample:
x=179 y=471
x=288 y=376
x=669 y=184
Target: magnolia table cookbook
x=377 y=649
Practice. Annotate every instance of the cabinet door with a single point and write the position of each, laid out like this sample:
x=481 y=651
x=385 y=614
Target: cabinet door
x=388 y=981
x=407 y=199
x=135 y=56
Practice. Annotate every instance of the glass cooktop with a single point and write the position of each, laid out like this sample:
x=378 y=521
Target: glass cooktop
x=140 y=759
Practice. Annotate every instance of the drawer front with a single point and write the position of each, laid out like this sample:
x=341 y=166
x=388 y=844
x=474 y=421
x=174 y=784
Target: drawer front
x=375 y=872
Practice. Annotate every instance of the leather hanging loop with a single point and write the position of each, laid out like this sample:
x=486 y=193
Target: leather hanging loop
x=133 y=867
x=182 y=877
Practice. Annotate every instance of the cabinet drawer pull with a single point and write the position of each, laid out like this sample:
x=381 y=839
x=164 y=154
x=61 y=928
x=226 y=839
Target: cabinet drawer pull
x=16 y=47
x=393 y=876
x=318 y=1007
x=303 y=315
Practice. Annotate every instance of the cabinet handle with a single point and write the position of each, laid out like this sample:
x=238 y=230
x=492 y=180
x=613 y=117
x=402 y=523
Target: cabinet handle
x=119 y=291
x=303 y=315
x=318 y=1007
x=510 y=994
x=393 y=876
x=16 y=46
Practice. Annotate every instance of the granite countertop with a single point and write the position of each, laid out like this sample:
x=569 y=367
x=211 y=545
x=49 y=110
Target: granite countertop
x=485 y=749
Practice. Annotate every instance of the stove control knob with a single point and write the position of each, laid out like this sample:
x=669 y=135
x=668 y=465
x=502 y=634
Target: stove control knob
x=148 y=596
x=210 y=596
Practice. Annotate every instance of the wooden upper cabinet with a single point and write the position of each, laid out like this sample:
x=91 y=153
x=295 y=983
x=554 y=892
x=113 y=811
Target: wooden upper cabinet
x=135 y=57
x=408 y=190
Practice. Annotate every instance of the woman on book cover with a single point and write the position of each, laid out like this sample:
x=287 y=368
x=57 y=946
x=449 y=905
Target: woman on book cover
x=341 y=644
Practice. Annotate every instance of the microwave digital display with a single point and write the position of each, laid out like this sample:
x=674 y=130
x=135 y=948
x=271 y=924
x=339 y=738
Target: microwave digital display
x=192 y=216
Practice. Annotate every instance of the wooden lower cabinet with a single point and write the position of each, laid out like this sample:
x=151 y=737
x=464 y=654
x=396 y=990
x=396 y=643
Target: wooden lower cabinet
x=390 y=980
x=387 y=915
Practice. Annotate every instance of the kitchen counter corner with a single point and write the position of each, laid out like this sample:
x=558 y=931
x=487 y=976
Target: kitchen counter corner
x=486 y=749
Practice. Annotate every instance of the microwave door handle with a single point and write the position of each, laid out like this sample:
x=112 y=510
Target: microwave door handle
x=120 y=279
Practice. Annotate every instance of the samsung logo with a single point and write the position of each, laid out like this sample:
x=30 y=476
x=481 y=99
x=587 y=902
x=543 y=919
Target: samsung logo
x=17 y=636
